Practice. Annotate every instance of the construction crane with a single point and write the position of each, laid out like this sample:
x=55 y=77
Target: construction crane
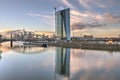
x=55 y=7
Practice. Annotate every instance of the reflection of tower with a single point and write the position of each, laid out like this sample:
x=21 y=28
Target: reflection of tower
x=62 y=64
x=0 y=54
x=29 y=49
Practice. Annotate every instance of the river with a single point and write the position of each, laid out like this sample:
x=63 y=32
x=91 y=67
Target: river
x=57 y=63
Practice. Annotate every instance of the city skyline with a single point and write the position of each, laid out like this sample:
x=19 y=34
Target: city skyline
x=98 y=18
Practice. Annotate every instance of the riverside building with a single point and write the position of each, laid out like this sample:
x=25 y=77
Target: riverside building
x=62 y=23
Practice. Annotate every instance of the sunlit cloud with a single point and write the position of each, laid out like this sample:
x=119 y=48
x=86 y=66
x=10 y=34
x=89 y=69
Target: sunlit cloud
x=67 y=3
x=41 y=15
x=111 y=18
x=85 y=20
x=89 y=4
x=77 y=13
x=87 y=15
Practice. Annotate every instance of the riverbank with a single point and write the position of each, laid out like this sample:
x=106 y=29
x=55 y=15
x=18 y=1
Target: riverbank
x=111 y=47
x=65 y=44
x=96 y=46
x=76 y=44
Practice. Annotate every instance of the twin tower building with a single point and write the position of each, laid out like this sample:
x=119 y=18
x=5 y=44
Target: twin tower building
x=62 y=24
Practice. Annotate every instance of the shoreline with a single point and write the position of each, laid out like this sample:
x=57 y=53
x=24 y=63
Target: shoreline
x=83 y=45
x=91 y=46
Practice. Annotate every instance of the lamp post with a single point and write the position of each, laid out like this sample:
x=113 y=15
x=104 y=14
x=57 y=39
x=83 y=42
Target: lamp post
x=11 y=41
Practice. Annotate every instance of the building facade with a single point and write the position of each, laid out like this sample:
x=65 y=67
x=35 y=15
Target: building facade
x=62 y=23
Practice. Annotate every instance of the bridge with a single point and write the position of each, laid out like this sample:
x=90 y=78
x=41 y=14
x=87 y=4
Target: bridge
x=26 y=41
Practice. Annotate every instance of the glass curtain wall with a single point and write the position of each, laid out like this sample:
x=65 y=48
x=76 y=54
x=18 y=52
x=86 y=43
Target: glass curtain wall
x=63 y=24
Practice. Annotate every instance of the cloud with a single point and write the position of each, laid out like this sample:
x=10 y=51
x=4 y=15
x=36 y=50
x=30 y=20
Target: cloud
x=88 y=4
x=86 y=15
x=66 y=2
x=89 y=20
x=83 y=20
x=82 y=25
x=111 y=18
x=44 y=18
x=77 y=13
x=76 y=16
x=41 y=15
x=75 y=19
x=85 y=3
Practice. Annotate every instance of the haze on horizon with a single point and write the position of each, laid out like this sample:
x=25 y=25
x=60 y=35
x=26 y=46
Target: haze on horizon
x=94 y=17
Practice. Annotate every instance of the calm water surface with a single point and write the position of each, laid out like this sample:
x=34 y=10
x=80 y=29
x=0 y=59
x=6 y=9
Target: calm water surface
x=57 y=63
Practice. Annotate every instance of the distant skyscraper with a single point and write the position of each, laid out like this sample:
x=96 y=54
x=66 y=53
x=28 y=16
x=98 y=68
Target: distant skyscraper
x=63 y=24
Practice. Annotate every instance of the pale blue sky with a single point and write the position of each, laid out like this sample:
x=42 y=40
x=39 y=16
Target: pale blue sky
x=14 y=14
x=87 y=16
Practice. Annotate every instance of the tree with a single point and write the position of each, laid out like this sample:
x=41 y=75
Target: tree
x=0 y=36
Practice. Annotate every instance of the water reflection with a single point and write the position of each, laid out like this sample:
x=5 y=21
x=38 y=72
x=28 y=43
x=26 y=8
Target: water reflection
x=62 y=63
x=94 y=65
x=35 y=66
x=0 y=54
x=29 y=49
x=78 y=64
x=0 y=51
x=57 y=63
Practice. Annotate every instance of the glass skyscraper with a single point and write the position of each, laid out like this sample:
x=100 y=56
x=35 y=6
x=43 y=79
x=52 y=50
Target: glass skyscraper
x=63 y=24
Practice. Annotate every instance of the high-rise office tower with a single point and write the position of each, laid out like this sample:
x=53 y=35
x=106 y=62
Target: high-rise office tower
x=63 y=24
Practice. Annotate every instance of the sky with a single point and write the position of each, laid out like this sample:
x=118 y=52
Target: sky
x=100 y=18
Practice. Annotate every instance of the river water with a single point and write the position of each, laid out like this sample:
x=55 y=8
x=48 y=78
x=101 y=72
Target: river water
x=57 y=63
